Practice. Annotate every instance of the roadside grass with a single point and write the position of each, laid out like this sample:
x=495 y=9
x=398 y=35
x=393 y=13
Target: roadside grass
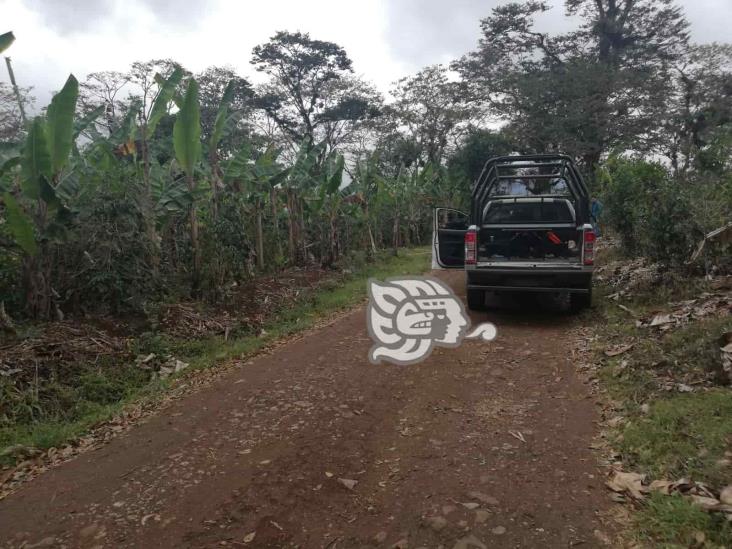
x=673 y=521
x=98 y=394
x=684 y=436
x=667 y=434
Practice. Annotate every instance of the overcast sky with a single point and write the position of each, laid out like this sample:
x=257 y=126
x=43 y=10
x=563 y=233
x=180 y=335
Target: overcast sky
x=386 y=39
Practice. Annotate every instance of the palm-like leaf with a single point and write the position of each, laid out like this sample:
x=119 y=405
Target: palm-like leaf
x=222 y=115
x=6 y=39
x=60 y=125
x=187 y=130
x=163 y=98
x=36 y=161
x=19 y=225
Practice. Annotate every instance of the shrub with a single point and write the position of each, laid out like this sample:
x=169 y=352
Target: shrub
x=658 y=215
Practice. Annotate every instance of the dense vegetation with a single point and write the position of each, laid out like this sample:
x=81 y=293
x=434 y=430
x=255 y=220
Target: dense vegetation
x=133 y=187
x=136 y=191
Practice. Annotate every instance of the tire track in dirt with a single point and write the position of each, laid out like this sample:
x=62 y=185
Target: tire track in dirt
x=487 y=444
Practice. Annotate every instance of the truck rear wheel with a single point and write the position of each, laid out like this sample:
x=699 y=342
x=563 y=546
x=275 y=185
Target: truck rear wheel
x=579 y=302
x=476 y=300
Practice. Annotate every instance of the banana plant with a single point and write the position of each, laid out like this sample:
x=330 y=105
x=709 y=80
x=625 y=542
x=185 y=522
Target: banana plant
x=267 y=176
x=166 y=94
x=187 y=145
x=36 y=214
x=301 y=179
x=6 y=39
x=329 y=201
x=365 y=190
x=258 y=181
x=221 y=125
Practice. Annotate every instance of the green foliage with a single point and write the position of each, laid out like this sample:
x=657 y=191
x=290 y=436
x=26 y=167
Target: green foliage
x=165 y=95
x=6 y=40
x=222 y=115
x=652 y=212
x=674 y=521
x=668 y=435
x=36 y=160
x=586 y=91
x=60 y=124
x=19 y=225
x=667 y=443
x=466 y=164
x=187 y=130
x=59 y=409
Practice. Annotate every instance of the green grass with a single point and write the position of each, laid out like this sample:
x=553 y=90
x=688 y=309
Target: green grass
x=675 y=435
x=682 y=436
x=97 y=394
x=673 y=521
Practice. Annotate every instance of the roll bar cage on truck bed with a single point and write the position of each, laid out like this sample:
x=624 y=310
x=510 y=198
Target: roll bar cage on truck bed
x=527 y=230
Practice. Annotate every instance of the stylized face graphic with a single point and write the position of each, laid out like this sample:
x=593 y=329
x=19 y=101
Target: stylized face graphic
x=447 y=321
x=408 y=317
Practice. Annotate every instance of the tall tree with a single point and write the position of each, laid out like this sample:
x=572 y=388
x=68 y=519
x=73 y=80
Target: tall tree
x=431 y=111
x=11 y=121
x=311 y=96
x=187 y=144
x=104 y=89
x=697 y=125
x=213 y=84
x=587 y=91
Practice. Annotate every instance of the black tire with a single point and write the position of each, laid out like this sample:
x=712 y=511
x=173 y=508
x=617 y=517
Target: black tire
x=580 y=302
x=476 y=300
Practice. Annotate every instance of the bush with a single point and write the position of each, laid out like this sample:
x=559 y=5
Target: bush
x=654 y=214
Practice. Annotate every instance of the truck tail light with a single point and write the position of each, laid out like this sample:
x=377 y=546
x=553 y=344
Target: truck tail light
x=588 y=243
x=471 y=244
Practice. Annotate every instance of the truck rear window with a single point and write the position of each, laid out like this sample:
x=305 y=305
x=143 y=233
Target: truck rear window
x=528 y=186
x=528 y=212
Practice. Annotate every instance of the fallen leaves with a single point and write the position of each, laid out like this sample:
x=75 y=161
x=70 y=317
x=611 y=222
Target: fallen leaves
x=348 y=483
x=721 y=235
x=483 y=498
x=619 y=349
x=635 y=486
x=517 y=435
x=146 y=518
x=682 y=312
x=725 y=495
x=631 y=483
x=172 y=366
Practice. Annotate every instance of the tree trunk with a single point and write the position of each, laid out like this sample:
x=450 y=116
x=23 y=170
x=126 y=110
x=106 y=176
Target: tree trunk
x=395 y=240
x=291 y=221
x=259 y=236
x=333 y=240
x=37 y=285
x=301 y=230
x=36 y=273
x=215 y=180
x=371 y=239
x=149 y=207
x=18 y=97
x=591 y=161
x=195 y=246
x=275 y=222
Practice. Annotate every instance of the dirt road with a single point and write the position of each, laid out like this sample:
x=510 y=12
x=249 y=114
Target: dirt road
x=482 y=446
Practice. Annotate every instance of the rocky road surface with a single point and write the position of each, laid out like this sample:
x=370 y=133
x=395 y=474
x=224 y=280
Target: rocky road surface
x=310 y=445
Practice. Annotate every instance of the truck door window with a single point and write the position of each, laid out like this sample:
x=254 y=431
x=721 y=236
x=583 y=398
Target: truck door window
x=452 y=219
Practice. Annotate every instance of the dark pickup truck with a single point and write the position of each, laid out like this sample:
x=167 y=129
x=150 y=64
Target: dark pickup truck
x=528 y=230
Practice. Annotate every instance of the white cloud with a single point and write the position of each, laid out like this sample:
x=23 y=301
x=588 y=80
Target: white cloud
x=386 y=39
